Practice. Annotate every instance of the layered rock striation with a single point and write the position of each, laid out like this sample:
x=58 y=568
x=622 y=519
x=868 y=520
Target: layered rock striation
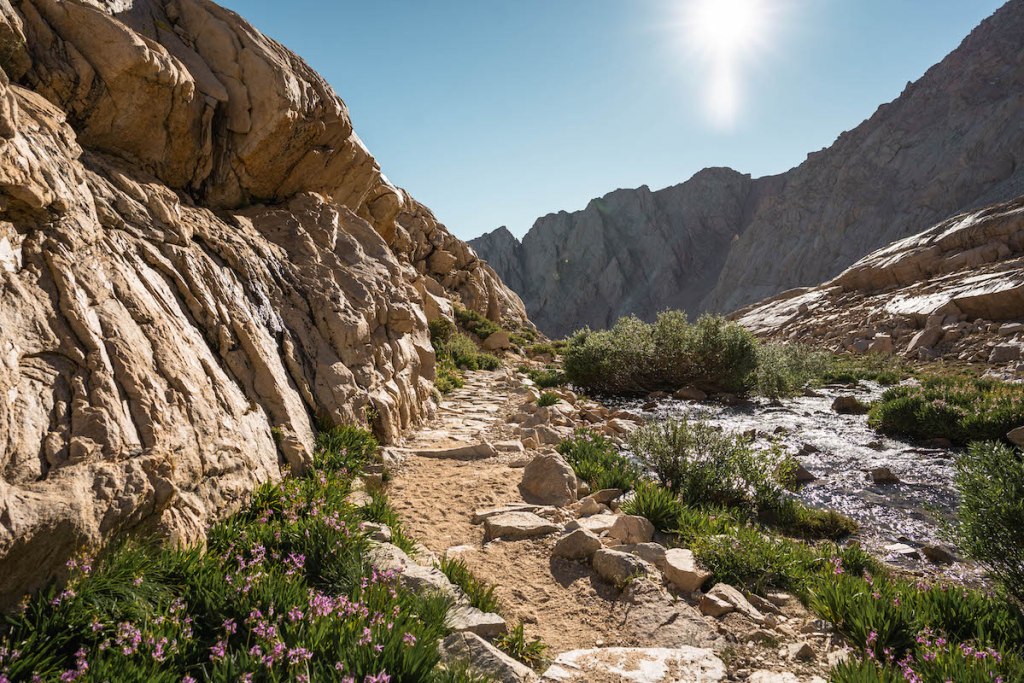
x=954 y=291
x=951 y=142
x=198 y=259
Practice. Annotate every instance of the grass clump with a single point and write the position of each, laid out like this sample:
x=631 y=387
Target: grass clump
x=636 y=358
x=961 y=409
x=547 y=399
x=598 y=462
x=281 y=592
x=659 y=505
x=480 y=594
x=532 y=652
x=990 y=477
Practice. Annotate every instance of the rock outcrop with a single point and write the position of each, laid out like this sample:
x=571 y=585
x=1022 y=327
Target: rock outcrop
x=943 y=147
x=954 y=291
x=197 y=257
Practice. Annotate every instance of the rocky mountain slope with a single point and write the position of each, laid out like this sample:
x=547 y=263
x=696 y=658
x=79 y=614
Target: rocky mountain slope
x=954 y=291
x=198 y=256
x=951 y=142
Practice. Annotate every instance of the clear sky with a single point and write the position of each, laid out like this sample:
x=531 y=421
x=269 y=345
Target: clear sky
x=497 y=112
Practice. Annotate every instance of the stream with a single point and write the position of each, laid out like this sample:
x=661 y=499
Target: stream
x=914 y=512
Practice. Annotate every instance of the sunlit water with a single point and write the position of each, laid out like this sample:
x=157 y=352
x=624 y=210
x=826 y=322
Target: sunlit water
x=918 y=510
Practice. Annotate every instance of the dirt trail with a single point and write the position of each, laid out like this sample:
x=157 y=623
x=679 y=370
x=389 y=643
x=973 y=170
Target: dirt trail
x=562 y=602
x=436 y=497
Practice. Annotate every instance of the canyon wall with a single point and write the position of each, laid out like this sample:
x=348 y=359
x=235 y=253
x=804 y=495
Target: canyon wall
x=198 y=259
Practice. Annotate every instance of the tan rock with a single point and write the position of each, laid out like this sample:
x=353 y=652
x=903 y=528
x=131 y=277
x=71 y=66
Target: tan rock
x=619 y=568
x=682 y=570
x=632 y=529
x=549 y=480
x=517 y=526
x=579 y=544
x=637 y=665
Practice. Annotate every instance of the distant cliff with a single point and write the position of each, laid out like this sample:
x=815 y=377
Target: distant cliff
x=954 y=140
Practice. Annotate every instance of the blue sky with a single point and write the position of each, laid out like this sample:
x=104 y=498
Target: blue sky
x=494 y=113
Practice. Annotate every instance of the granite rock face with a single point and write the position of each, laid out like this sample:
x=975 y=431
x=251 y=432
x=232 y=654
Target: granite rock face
x=954 y=291
x=195 y=249
x=950 y=143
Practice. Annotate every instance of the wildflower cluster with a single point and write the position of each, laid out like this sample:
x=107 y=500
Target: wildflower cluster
x=281 y=593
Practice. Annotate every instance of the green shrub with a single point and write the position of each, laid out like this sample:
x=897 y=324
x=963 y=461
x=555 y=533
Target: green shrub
x=636 y=358
x=785 y=369
x=545 y=349
x=473 y=322
x=659 y=505
x=990 y=477
x=598 y=462
x=441 y=330
x=344 y=449
x=934 y=664
x=533 y=652
x=546 y=379
x=480 y=594
x=380 y=510
x=448 y=378
x=548 y=399
x=705 y=466
x=961 y=409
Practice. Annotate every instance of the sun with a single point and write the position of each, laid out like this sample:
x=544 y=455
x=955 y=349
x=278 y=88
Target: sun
x=726 y=38
x=729 y=29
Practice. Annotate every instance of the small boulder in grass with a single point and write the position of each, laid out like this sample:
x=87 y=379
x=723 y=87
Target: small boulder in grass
x=1016 y=437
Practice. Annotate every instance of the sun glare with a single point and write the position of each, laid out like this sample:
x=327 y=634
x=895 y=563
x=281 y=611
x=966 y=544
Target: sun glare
x=727 y=36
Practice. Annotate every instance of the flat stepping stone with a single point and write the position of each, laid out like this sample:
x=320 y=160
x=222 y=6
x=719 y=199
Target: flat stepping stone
x=637 y=665
x=517 y=526
x=596 y=523
x=482 y=515
x=477 y=451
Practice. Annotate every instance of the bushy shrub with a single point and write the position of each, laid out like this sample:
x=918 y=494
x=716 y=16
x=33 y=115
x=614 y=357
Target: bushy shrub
x=990 y=477
x=659 y=505
x=598 y=462
x=636 y=358
x=465 y=354
x=960 y=409
x=473 y=322
x=480 y=594
x=785 y=369
x=705 y=466
x=547 y=378
x=545 y=349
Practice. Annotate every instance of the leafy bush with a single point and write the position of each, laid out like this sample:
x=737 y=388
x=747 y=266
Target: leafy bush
x=441 y=330
x=785 y=369
x=548 y=399
x=281 y=592
x=448 y=378
x=598 y=462
x=659 y=505
x=473 y=322
x=480 y=594
x=636 y=358
x=705 y=466
x=465 y=354
x=990 y=477
x=546 y=379
x=961 y=409
x=533 y=652
x=545 y=349
x=935 y=664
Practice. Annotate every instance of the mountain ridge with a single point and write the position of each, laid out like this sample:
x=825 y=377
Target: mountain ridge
x=943 y=146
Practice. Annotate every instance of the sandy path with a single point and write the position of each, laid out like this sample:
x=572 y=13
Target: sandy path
x=558 y=601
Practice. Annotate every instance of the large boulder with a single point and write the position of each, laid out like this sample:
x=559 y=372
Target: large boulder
x=619 y=568
x=549 y=480
x=682 y=570
x=580 y=544
x=632 y=529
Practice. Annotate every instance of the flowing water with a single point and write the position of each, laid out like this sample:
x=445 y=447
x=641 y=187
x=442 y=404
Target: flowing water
x=843 y=449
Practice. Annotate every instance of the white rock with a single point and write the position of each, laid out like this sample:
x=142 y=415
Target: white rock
x=467 y=618
x=637 y=665
x=484 y=658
